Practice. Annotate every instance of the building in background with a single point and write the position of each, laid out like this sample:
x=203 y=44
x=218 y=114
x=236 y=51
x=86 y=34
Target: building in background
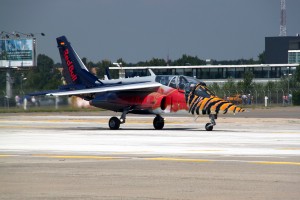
x=282 y=56
x=282 y=50
x=215 y=73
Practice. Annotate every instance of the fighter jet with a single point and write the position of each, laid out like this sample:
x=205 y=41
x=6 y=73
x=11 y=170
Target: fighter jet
x=154 y=94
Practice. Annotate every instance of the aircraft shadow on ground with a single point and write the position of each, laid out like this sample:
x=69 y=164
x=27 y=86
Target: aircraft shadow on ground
x=123 y=129
x=146 y=129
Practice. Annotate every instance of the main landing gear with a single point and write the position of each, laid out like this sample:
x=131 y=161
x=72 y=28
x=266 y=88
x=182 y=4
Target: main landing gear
x=210 y=126
x=158 y=122
x=114 y=122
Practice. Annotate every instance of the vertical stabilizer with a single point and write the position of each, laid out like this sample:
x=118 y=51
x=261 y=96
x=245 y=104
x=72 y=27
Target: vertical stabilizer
x=107 y=73
x=74 y=70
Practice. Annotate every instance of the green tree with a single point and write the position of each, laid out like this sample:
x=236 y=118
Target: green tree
x=2 y=81
x=296 y=92
x=297 y=75
x=120 y=60
x=257 y=92
x=157 y=62
x=240 y=88
x=261 y=58
x=188 y=60
x=89 y=64
x=215 y=87
x=100 y=66
x=44 y=76
x=247 y=81
x=84 y=60
x=229 y=87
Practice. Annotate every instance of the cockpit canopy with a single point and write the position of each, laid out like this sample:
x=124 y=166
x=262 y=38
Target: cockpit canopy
x=185 y=83
x=202 y=91
x=177 y=82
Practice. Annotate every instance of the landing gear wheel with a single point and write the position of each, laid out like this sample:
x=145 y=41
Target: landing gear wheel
x=209 y=127
x=114 y=123
x=158 y=122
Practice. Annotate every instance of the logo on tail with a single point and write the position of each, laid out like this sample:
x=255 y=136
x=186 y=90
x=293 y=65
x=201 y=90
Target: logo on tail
x=70 y=65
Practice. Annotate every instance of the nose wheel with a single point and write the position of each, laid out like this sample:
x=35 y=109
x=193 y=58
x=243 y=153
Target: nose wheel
x=210 y=126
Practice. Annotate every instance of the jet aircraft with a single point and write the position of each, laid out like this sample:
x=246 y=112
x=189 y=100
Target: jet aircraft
x=154 y=94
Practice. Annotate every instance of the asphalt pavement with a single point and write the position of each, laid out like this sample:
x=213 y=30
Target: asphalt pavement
x=255 y=155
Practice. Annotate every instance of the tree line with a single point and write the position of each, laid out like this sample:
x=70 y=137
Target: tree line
x=47 y=74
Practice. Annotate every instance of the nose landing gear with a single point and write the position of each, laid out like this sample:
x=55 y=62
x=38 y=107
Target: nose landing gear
x=210 y=126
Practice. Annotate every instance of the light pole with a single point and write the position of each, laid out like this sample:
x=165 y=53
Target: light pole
x=288 y=79
x=22 y=79
x=288 y=91
x=289 y=83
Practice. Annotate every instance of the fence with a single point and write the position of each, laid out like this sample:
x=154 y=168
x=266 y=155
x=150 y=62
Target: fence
x=274 y=97
x=18 y=100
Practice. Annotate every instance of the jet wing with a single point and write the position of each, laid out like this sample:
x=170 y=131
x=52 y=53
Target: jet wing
x=107 y=88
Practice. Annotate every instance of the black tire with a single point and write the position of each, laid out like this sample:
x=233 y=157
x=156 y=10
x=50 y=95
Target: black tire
x=209 y=127
x=114 y=123
x=158 y=123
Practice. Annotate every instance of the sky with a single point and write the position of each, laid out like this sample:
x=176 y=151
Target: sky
x=139 y=30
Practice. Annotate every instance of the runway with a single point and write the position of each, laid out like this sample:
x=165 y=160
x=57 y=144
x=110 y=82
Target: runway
x=59 y=156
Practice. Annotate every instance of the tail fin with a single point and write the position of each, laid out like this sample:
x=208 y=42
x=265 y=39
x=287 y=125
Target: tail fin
x=107 y=73
x=74 y=70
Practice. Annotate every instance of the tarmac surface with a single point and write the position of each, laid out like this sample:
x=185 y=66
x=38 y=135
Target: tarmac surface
x=254 y=155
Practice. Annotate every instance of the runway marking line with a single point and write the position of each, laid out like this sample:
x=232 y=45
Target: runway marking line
x=285 y=132
x=80 y=157
x=288 y=149
x=174 y=159
x=274 y=163
x=25 y=126
x=178 y=159
x=5 y=156
x=207 y=150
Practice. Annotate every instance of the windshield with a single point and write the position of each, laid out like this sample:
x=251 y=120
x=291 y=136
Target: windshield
x=177 y=82
x=202 y=91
